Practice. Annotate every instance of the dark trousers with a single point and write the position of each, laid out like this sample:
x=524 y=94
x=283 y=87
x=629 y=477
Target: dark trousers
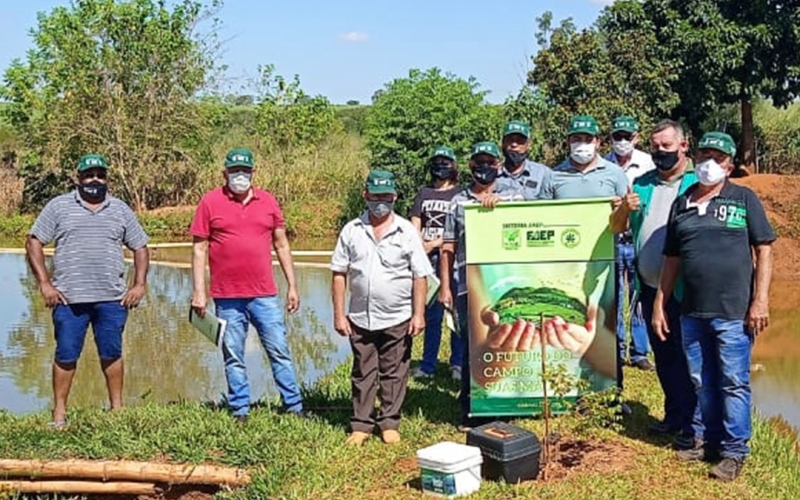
x=380 y=357
x=680 y=401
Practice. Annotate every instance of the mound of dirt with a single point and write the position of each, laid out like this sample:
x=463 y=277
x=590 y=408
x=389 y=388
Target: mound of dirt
x=780 y=195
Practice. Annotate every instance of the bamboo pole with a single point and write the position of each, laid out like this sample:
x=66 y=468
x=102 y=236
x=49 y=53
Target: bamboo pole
x=79 y=487
x=546 y=409
x=125 y=471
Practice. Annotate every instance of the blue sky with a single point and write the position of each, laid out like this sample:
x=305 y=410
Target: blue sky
x=347 y=49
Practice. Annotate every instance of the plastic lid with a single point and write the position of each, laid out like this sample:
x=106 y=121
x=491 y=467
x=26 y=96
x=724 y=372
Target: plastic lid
x=448 y=452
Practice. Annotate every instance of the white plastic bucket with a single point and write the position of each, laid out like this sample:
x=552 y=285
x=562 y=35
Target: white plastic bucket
x=450 y=469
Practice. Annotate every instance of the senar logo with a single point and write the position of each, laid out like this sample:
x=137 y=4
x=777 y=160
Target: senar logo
x=511 y=239
x=570 y=238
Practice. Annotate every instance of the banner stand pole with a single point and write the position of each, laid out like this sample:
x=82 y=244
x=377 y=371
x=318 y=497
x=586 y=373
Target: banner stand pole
x=546 y=408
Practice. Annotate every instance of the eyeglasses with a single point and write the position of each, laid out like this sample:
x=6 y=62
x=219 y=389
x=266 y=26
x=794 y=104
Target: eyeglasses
x=95 y=174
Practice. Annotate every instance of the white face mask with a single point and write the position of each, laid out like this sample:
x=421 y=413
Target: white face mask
x=582 y=152
x=623 y=147
x=239 y=182
x=710 y=173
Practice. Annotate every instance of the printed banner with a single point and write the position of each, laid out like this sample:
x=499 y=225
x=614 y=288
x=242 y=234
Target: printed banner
x=534 y=261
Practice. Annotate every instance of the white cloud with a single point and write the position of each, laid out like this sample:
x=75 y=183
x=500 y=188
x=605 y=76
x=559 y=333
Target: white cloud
x=354 y=37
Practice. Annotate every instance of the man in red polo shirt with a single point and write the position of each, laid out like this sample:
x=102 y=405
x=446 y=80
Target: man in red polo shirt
x=237 y=226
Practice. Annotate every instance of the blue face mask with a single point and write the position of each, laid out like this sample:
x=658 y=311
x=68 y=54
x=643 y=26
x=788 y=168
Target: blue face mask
x=484 y=173
x=94 y=192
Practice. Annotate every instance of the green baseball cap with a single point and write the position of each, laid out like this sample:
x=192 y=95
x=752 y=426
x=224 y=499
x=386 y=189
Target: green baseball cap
x=486 y=147
x=517 y=127
x=583 y=124
x=445 y=152
x=719 y=141
x=92 y=161
x=624 y=124
x=239 y=157
x=380 y=182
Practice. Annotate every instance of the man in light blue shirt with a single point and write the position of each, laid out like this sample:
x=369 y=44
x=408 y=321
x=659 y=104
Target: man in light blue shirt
x=517 y=168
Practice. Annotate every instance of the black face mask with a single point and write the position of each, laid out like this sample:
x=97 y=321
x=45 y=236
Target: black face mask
x=442 y=171
x=484 y=173
x=94 y=192
x=513 y=158
x=665 y=160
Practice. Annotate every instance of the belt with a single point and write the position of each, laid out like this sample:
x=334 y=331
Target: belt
x=626 y=237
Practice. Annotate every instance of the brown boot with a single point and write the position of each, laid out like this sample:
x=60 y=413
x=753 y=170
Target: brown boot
x=391 y=436
x=356 y=438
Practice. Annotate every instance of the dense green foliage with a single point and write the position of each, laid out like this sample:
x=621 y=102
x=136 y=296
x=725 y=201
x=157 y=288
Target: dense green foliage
x=411 y=116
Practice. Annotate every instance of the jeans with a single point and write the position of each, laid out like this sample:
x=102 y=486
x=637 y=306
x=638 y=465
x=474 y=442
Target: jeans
x=433 y=334
x=466 y=377
x=71 y=321
x=626 y=271
x=718 y=355
x=266 y=315
x=681 y=411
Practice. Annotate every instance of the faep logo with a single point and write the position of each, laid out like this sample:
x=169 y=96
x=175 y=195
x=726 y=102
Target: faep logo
x=570 y=238
x=540 y=238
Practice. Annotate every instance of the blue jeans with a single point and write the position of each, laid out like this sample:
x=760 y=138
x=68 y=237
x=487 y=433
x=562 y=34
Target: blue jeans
x=266 y=315
x=626 y=270
x=681 y=411
x=71 y=321
x=718 y=355
x=433 y=334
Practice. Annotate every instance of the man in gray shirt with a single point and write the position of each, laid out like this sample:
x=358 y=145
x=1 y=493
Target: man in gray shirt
x=89 y=228
x=646 y=211
x=517 y=168
x=381 y=255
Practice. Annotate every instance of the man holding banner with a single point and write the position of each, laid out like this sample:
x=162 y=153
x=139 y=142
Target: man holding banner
x=484 y=190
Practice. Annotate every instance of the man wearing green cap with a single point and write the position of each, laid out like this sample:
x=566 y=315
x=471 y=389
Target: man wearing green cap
x=237 y=226
x=635 y=163
x=517 y=167
x=485 y=166
x=381 y=255
x=89 y=228
x=714 y=230
x=428 y=213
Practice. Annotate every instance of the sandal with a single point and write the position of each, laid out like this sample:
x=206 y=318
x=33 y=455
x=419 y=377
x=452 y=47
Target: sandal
x=58 y=425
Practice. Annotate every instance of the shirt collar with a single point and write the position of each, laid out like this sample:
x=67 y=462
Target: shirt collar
x=363 y=221
x=524 y=172
x=229 y=194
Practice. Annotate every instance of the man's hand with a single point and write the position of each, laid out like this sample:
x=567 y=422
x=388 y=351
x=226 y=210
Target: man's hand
x=199 y=303
x=133 y=296
x=574 y=338
x=446 y=297
x=431 y=245
x=758 y=317
x=660 y=322
x=342 y=325
x=632 y=201
x=490 y=201
x=416 y=325
x=292 y=300
x=52 y=296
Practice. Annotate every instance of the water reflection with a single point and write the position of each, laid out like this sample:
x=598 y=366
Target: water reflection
x=166 y=359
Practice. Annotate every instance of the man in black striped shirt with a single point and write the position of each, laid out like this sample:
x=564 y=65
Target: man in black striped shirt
x=88 y=286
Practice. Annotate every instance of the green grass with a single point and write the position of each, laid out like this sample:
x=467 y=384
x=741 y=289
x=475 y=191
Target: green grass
x=298 y=459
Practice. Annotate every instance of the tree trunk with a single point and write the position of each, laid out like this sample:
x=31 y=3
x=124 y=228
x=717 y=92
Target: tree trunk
x=78 y=487
x=748 y=138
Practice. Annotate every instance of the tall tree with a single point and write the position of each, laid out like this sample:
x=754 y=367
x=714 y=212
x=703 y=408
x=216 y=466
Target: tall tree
x=117 y=78
x=728 y=51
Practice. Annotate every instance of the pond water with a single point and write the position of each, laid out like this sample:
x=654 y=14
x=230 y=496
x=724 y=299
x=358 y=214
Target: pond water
x=167 y=360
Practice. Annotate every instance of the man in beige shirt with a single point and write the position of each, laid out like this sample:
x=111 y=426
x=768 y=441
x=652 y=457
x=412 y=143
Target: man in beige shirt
x=382 y=256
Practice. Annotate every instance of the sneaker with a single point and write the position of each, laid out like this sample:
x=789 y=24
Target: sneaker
x=419 y=374
x=644 y=364
x=728 y=469
x=240 y=419
x=456 y=373
x=390 y=436
x=662 y=428
x=356 y=438
x=683 y=441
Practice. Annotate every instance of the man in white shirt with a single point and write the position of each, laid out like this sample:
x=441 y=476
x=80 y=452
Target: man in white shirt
x=634 y=162
x=381 y=255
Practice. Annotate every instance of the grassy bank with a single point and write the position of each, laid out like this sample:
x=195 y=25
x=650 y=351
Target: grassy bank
x=297 y=459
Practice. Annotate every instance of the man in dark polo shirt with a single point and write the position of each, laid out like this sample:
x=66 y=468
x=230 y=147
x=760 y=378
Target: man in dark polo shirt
x=89 y=228
x=517 y=167
x=714 y=230
x=237 y=226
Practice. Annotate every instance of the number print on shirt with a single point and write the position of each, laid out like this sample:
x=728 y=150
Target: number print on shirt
x=733 y=216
